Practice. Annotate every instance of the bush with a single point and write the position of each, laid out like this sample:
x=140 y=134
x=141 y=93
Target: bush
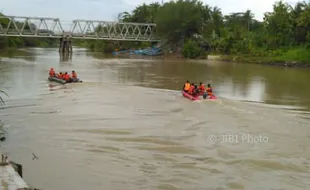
x=192 y=50
x=296 y=54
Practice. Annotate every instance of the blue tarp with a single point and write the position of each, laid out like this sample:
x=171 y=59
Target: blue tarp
x=149 y=51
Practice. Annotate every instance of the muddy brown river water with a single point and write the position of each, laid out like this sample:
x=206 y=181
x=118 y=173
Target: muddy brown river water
x=127 y=127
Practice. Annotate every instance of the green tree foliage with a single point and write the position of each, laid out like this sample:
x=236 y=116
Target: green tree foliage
x=192 y=50
x=282 y=30
x=181 y=19
x=15 y=42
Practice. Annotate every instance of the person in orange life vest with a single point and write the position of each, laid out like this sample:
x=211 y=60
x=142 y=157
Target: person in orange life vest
x=202 y=88
x=186 y=86
x=195 y=91
x=190 y=91
x=74 y=75
x=209 y=90
x=59 y=75
x=52 y=72
x=67 y=77
x=64 y=75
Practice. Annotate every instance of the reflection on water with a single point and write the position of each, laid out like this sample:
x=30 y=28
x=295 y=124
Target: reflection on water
x=65 y=56
x=18 y=54
x=127 y=126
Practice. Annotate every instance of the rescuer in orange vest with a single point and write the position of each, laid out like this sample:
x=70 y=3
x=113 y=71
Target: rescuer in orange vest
x=186 y=86
x=52 y=72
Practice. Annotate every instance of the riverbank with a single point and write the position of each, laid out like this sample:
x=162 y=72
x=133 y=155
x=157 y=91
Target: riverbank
x=11 y=175
x=272 y=61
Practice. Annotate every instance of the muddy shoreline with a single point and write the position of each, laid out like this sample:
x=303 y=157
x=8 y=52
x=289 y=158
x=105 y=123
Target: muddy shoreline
x=228 y=58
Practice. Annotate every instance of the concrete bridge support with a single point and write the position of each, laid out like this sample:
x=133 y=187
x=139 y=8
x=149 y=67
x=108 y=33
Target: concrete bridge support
x=65 y=45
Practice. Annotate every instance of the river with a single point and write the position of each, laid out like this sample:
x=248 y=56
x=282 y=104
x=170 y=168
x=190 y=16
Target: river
x=128 y=127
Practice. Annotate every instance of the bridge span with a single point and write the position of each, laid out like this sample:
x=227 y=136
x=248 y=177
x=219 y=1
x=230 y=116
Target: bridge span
x=44 y=27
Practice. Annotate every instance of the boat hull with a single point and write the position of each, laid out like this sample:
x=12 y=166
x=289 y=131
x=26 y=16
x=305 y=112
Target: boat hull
x=205 y=96
x=213 y=97
x=61 y=81
x=186 y=95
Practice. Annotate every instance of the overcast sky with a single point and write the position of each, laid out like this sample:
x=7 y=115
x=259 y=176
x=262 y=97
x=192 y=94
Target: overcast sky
x=107 y=10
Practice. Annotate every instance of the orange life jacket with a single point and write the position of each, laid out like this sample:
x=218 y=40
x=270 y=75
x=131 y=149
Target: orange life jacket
x=52 y=73
x=59 y=76
x=74 y=75
x=190 y=90
x=209 y=91
x=202 y=88
x=187 y=86
x=66 y=77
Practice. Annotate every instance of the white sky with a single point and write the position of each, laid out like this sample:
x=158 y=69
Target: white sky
x=107 y=10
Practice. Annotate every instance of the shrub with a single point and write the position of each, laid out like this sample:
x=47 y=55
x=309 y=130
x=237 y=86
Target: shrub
x=192 y=50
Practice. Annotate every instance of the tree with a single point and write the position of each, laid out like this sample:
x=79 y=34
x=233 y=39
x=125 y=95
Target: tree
x=197 y=24
x=302 y=15
x=279 y=25
x=179 y=20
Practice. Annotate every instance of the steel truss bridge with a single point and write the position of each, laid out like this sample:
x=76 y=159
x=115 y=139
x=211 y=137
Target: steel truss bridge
x=19 y=26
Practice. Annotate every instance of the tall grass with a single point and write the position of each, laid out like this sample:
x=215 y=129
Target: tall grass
x=1 y=99
x=296 y=54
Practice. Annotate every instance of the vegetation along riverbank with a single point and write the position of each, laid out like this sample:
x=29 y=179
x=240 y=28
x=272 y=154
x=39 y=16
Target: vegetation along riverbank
x=12 y=43
x=282 y=37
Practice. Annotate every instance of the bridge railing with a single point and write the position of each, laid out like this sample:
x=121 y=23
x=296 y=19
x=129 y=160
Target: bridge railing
x=80 y=29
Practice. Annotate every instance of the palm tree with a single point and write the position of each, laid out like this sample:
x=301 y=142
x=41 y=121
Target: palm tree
x=205 y=15
x=141 y=14
x=248 y=18
x=217 y=20
x=153 y=9
x=124 y=17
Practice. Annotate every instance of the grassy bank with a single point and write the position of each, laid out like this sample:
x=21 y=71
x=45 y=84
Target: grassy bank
x=294 y=57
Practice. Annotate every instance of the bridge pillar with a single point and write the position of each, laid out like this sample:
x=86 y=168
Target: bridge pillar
x=65 y=45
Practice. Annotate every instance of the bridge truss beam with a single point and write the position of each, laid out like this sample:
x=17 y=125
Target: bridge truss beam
x=79 y=29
